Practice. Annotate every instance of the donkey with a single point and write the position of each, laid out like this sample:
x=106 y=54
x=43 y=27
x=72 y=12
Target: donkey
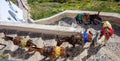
x=79 y=38
x=2 y=45
x=52 y=52
x=21 y=42
x=87 y=18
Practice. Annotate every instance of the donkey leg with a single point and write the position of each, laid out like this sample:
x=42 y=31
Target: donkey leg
x=100 y=42
x=73 y=45
x=80 y=21
x=85 y=23
x=94 y=22
x=90 y=22
x=44 y=58
x=34 y=45
x=105 y=42
x=55 y=59
x=30 y=44
x=3 y=45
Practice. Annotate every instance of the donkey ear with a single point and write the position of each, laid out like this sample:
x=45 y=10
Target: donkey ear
x=56 y=37
x=3 y=37
x=4 y=33
x=90 y=32
x=98 y=12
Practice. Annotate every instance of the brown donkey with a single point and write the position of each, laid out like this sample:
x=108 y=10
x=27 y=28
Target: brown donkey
x=52 y=52
x=2 y=45
x=76 y=39
x=87 y=18
x=22 y=42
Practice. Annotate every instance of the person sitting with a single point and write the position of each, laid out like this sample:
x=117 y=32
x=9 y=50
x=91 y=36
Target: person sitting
x=106 y=32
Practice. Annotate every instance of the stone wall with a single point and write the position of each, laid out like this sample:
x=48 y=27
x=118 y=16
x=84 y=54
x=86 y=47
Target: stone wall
x=72 y=14
x=52 y=29
x=46 y=29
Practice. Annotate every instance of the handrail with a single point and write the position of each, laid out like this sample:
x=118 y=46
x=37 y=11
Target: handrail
x=47 y=29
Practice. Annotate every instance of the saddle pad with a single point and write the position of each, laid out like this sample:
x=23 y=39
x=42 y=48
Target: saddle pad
x=24 y=42
x=57 y=51
x=85 y=37
x=80 y=16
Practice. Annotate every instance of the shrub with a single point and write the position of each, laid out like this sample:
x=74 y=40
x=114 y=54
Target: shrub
x=51 y=7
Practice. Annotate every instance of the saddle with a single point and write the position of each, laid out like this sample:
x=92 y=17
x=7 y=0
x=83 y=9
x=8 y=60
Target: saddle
x=16 y=40
x=48 y=51
x=79 y=17
x=57 y=51
x=85 y=37
x=87 y=16
x=24 y=42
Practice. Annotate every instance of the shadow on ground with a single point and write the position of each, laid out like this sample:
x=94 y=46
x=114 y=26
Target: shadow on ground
x=19 y=53
x=91 y=51
x=68 y=22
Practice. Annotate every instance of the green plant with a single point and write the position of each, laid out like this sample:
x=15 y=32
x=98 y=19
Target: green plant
x=48 y=8
x=4 y=56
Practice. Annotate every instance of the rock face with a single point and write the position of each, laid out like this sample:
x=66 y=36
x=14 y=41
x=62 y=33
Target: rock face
x=110 y=52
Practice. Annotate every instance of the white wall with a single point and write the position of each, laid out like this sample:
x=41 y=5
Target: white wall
x=72 y=14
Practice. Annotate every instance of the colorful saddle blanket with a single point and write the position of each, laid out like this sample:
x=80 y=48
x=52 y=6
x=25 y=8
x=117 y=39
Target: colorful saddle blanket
x=57 y=51
x=80 y=16
x=85 y=37
x=24 y=42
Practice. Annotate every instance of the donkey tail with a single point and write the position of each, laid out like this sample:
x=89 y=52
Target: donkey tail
x=7 y=37
x=57 y=38
x=5 y=33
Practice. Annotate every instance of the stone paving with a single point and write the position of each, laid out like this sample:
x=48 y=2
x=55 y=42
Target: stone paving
x=108 y=53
